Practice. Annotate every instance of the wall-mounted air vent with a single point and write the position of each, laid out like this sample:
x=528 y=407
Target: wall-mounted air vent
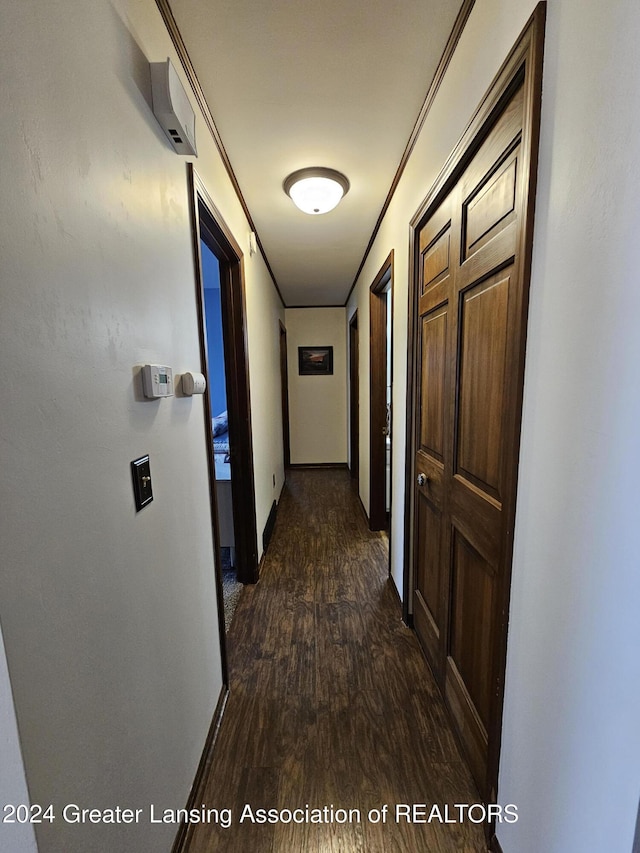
x=172 y=107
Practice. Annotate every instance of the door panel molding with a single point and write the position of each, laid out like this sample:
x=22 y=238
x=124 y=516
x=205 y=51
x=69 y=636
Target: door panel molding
x=483 y=201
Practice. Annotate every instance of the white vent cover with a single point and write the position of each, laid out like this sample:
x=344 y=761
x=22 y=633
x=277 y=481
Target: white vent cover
x=172 y=108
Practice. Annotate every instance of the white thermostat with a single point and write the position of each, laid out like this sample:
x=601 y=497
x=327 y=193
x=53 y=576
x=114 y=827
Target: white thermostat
x=157 y=381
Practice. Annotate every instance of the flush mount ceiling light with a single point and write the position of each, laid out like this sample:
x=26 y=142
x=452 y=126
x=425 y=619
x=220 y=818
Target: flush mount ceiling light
x=316 y=189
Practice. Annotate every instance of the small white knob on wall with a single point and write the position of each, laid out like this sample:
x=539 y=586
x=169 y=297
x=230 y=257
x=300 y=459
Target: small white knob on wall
x=193 y=383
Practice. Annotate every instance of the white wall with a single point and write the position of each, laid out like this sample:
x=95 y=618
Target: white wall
x=571 y=749
x=264 y=314
x=317 y=404
x=108 y=616
x=571 y=743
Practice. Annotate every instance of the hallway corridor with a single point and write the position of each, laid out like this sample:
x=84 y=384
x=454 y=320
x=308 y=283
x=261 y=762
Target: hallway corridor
x=331 y=702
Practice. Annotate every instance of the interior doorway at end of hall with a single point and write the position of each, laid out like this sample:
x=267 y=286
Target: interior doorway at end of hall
x=381 y=356
x=217 y=390
x=354 y=401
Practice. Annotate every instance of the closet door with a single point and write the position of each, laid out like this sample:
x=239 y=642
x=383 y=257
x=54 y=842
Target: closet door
x=487 y=334
x=470 y=326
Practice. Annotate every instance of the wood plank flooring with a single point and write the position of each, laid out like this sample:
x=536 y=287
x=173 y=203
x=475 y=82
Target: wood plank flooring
x=331 y=702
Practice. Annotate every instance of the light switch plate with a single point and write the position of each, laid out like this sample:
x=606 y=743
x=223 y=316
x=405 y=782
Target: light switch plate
x=141 y=471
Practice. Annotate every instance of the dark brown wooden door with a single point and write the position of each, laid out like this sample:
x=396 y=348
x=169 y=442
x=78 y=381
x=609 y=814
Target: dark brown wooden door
x=380 y=413
x=470 y=332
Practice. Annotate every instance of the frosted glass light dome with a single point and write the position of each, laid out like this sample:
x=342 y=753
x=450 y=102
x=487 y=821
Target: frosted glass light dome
x=316 y=190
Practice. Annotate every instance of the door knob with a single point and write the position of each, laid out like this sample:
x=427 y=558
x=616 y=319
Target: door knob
x=422 y=479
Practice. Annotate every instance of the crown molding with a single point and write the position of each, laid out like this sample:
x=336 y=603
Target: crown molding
x=185 y=60
x=445 y=59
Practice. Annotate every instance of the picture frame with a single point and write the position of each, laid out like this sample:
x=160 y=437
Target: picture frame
x=315 y=361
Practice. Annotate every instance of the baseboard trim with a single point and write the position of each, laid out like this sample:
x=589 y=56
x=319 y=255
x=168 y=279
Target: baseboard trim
x=298 y=465
x=364 y=512
x=395 y=592
x=183 y=835
x=268 y=528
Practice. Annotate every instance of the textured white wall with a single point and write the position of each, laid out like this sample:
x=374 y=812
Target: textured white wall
x=571 y=750
x=317 y=404
x=264 y=311
x=108 y=616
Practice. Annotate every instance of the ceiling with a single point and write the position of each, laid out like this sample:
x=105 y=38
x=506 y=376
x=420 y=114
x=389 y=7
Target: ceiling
x=294 y=83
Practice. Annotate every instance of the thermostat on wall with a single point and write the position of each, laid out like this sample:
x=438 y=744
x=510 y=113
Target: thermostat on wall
x=157 y=381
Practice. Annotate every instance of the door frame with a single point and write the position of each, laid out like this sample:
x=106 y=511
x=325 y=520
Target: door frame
x=354 y=398
x=284 y=383
x=523 y=65
x=207 y=223
x=378 y=393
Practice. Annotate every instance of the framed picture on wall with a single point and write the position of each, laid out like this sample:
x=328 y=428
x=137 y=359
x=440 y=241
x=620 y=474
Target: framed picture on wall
x=315 y=361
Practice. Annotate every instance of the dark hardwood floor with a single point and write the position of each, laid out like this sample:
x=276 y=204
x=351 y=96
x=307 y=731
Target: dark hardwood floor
x=331 y=701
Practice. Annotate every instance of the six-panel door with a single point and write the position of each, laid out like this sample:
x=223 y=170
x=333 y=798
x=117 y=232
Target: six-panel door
x=469 y=308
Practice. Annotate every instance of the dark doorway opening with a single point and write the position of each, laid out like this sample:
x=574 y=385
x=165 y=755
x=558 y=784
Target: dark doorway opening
x=354 y=401
x=381 y=324
x=231 y=456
